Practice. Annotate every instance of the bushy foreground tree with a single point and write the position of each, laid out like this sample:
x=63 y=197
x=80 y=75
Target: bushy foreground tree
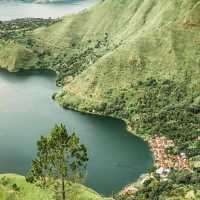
x=61 y=159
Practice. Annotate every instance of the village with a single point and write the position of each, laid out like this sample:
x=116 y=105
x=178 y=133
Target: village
x=163 y=161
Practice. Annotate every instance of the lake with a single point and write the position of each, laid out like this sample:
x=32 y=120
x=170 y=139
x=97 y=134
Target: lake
x=27 y=111
x=16 y=9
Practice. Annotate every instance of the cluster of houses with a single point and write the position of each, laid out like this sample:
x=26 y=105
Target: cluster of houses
x=129 y=190
x=163 y=160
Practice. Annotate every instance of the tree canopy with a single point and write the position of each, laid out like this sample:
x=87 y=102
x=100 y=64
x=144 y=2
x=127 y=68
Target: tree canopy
x=61 y=159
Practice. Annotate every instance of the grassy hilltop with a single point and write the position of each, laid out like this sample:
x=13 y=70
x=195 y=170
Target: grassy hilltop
x=138 y=60
x=14 y=187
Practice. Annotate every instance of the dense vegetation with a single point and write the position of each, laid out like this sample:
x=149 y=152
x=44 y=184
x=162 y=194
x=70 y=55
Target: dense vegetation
x=168 y=108
x=178 y=186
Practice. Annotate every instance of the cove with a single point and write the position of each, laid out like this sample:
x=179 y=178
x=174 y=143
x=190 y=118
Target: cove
x=27 y=112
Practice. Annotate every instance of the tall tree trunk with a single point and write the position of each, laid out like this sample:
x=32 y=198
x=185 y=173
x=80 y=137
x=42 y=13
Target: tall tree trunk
x=63 y=189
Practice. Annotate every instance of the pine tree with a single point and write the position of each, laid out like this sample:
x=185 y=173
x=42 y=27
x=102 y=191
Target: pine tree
x=61 y=158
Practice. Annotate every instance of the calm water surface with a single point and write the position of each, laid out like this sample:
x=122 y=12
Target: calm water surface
x=27 y=112
x=12 y=9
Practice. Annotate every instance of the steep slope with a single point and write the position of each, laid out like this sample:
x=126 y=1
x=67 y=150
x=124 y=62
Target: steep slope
x=13 y=55
x=152 y=38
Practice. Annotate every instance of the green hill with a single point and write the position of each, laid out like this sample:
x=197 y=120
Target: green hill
x=138 y=60
x=152 y=38
x=145 y=39
x=14 y=187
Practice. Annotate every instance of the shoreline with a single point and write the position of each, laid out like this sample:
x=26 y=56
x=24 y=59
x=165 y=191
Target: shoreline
x=179 y=162
x=98 y=114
